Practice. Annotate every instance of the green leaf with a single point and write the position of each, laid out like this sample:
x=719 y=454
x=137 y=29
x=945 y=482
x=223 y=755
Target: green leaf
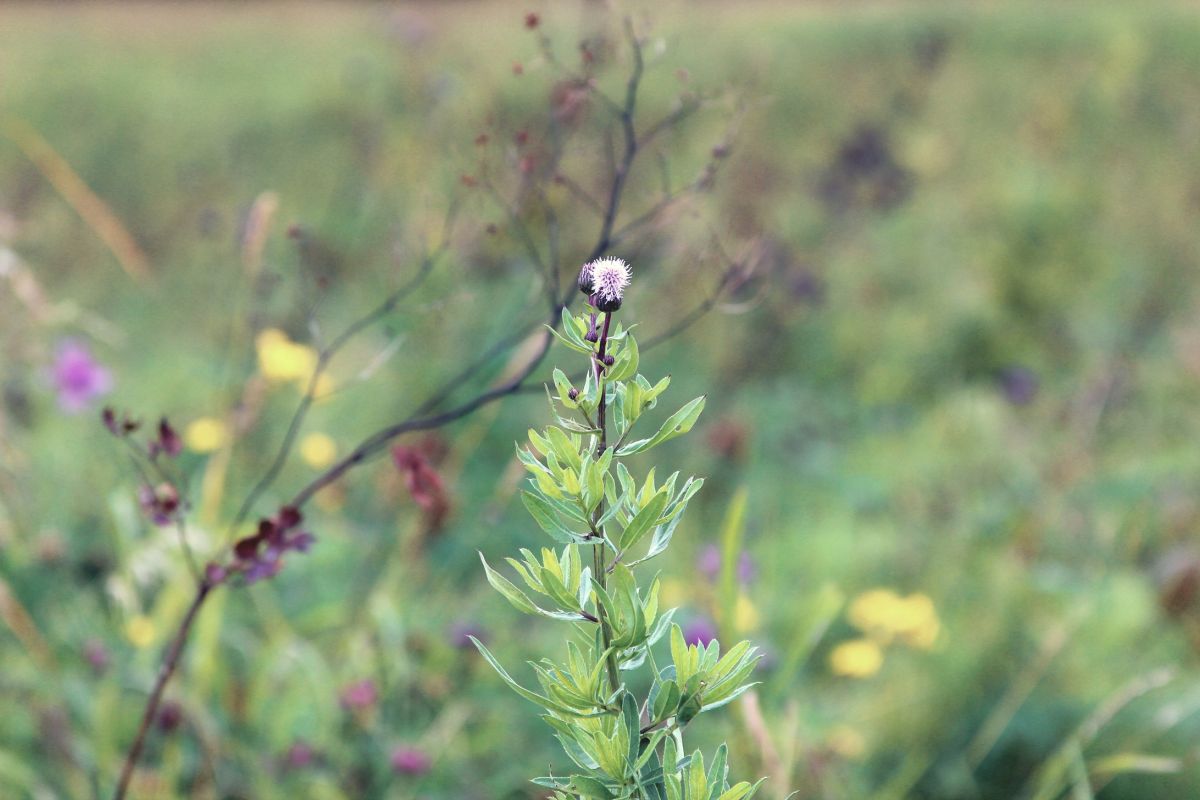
x=578 y=348
x=677 y=424
x=590 y=787
x=632 y=721
x=666 y=702
x=563 y=385
x=626 y=364
x=544 y=515
x=644 y=520
x=511 y=593
x=532 y=697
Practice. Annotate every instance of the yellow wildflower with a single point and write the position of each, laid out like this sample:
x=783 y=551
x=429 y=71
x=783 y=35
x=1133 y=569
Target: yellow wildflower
x=885 y=615
x=281 y=359
x=318 y=450
x=857 y=658
x=204 y=435
x=874 y=611
x=745 y=614
x=139 y=631
x=847 y=742
x=673 y=593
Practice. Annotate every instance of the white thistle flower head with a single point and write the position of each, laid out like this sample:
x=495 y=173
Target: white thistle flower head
x=610 y=276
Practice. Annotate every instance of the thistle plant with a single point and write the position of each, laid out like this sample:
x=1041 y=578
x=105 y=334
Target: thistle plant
x=604 y=523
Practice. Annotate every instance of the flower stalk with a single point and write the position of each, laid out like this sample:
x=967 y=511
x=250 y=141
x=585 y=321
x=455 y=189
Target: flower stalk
x=582 y=494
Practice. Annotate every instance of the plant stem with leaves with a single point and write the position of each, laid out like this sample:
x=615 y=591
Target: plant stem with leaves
x=582 y=495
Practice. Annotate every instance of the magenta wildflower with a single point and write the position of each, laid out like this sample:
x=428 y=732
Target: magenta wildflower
x=78 y=377
x=359 y=695
x=408 y=760
x=300 y=755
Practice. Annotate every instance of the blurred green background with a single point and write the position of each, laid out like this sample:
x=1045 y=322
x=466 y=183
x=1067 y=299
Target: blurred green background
x=955 y=384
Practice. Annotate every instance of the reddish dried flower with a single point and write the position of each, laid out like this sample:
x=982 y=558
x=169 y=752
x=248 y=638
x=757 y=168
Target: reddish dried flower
x=568 y=99
x=518 y=68
x=122 y=426
x=170 y=716
x=532 y=20
x=168 y=440
x=728 y=439
x=469 y=181
x=481 y=140
x=423 y=483
x=521 y=137
x=526 y=164
x=491 y=229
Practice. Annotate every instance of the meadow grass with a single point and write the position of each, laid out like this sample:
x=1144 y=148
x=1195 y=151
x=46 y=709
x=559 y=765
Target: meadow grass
x=967 y=375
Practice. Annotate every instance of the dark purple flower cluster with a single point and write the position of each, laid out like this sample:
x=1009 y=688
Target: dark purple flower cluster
x=161 y=503
x=168 y=441
x=261 y=555
x=118 y=426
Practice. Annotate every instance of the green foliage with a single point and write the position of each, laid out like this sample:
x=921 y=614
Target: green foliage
x=626 y=745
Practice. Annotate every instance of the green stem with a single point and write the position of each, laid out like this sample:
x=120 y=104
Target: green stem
x=614 y=678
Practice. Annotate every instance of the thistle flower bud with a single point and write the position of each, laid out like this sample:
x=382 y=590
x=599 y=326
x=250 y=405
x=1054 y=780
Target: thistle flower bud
x=573 y=393
x=585 y=278
x=609 y=361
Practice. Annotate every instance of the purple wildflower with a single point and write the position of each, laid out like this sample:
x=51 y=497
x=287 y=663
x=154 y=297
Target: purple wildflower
x=299 y=755
x=461 y=632
x=161 y=503
x=408 y=760
x=78 y=377
x=708 y=563
x=261 y=555
x=96 y=654
x=170 y=716
x=699 y=631
x=359 y=695
x=746 y=569
x=610 y=276
x=1019 y=384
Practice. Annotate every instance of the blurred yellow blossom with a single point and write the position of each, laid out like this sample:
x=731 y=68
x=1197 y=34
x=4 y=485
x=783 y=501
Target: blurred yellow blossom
x=885 y=615
x=324 y=387
x=674 y=592
x=281 y=359
x=318 y=450
x=847 y=742
x=139 y=631
x=857 y=658
x=745 y=614
x=204 y=435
